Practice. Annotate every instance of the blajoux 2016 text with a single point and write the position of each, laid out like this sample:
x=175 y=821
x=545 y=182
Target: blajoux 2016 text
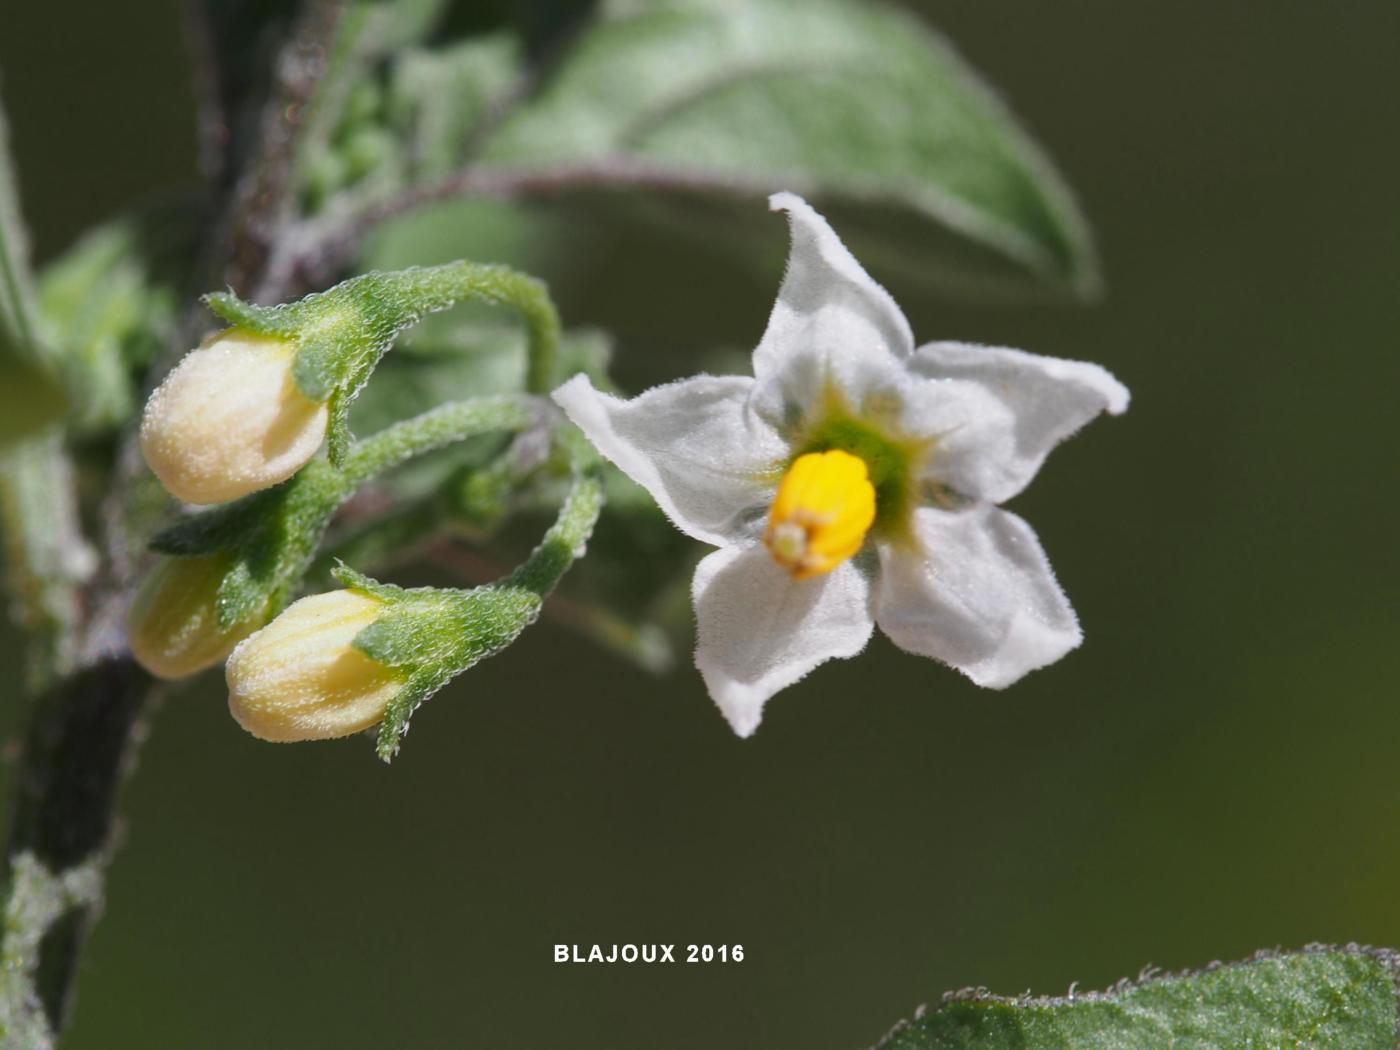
x=647 y=953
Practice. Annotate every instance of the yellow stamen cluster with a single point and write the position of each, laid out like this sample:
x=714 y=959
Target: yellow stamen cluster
x=824 y=507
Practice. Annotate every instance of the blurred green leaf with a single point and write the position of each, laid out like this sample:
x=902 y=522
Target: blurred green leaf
x=30 y=396
x=413 y=121
x=17 y=330
x=45 y=556
x=109 y=315
x=438 y=98
x=845 y=102
x=1317 y=998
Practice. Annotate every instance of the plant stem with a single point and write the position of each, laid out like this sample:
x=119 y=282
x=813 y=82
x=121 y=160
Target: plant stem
x=428 y=289
x=435 y=428
x=307 y=76
x=82 y=739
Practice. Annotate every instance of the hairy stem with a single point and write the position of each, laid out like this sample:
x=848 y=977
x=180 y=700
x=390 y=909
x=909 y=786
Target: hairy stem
x=428 y=289
x=548 y=562
x=305 y=83
x=433 y=429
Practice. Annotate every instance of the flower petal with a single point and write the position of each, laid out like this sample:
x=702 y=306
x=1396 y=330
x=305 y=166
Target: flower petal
x=760 y=630
x=975 y=591
x=707 y=460
x=1046 y=399
x=829 y=314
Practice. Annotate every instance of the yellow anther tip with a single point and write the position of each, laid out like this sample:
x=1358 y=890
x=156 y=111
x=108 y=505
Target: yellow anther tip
x=824 y=507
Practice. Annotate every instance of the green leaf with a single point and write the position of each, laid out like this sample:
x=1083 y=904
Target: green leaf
x=849 y=103
x=1317 y=998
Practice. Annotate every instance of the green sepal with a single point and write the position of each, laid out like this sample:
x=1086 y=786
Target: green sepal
x=248 y=590
x=358 y=581
x=270 y=537
x=278 y=321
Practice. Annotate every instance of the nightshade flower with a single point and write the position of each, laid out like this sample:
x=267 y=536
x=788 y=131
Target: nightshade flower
x=854 y=480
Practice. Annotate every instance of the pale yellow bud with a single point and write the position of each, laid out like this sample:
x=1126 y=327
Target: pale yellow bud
x=299 y=678
x=229 y=420
x=173 y=626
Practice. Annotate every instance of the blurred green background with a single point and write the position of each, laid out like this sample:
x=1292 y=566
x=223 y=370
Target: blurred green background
x=1213 y=772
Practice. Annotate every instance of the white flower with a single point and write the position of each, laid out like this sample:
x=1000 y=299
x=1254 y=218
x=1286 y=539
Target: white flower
x=301 y=678
x=229 y=420
x=805 y=570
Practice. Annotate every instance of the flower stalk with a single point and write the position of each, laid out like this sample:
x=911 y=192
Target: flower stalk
x=430 y=635
x=333 y=664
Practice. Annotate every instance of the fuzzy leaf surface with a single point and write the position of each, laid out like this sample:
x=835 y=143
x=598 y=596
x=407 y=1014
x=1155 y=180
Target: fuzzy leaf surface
x=1308 y=1000
x=851 y=103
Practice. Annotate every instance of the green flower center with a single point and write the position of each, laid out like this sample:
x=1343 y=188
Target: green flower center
x=889 y=458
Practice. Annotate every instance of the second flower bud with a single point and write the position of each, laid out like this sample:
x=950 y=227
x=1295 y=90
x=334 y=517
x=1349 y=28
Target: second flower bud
x=173 y=626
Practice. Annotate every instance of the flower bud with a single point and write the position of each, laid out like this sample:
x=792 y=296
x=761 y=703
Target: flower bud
x=299 y=678
x=173 y=626
x=230 y=420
